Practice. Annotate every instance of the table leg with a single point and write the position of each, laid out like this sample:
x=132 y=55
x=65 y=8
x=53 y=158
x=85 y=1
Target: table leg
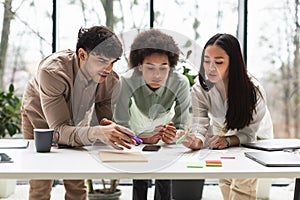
x=297 y=189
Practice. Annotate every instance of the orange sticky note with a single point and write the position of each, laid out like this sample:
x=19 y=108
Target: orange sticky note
x=213 y=163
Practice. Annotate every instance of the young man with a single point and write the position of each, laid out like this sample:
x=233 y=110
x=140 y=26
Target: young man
x=72 y=93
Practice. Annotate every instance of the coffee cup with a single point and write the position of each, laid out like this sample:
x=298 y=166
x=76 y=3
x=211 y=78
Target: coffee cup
x=43 y=139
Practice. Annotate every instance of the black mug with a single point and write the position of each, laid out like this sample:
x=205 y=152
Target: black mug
x=43 y=139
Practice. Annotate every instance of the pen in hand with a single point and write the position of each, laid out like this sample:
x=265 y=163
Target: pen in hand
x=179 y=141
x=138 y=140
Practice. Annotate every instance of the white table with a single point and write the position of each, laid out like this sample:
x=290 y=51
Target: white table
x=169 y=163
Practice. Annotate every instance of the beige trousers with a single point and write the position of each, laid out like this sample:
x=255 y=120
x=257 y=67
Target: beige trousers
x=238 y=189
x=41 y=189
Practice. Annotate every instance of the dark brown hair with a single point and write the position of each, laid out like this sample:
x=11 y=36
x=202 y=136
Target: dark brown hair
x=242 y=93
x=153 y=41
x=99 y=40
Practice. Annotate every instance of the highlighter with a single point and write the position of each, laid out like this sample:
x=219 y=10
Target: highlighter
x=183 y=136
x=181 y=139
x=138 y=140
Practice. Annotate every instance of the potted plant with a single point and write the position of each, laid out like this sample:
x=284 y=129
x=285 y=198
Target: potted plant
x=10 y=123
x=107 y=192
x=10 y=118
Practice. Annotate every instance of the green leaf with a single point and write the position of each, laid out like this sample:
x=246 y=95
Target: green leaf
x=10 y=117
x=187 y=44
x=11 y=88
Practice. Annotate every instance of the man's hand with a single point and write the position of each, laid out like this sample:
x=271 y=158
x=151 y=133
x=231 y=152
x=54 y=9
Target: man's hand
x=113 y=134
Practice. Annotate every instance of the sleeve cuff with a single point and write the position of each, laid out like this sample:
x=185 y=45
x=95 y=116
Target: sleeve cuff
x=201 y=137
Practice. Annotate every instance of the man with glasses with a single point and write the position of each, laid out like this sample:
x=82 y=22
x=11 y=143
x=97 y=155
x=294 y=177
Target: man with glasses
x=72 y=93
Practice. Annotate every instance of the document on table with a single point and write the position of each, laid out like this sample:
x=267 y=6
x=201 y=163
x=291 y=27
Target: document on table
x=13 y=144
x=114 y=156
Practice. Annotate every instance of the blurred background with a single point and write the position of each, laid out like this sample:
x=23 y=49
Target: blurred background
x=268 y=31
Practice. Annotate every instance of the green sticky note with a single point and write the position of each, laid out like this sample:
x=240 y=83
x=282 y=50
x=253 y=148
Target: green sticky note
x=213 y=165
x=194 y=165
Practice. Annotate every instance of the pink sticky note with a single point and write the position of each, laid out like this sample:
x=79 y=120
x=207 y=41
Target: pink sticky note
x=227 y=157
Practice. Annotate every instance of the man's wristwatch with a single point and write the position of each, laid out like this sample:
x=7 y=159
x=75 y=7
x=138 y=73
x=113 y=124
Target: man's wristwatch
x=227 y=138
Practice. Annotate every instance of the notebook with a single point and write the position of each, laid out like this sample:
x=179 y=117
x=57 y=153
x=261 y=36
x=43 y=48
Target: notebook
x=274 y=144
x=275 y=159
x=13 y=144
x=113 y=156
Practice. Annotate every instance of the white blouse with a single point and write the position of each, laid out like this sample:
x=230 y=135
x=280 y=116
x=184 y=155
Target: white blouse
x=209 y=111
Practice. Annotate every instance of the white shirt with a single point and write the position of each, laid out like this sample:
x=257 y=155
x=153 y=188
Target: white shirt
x=209 y=110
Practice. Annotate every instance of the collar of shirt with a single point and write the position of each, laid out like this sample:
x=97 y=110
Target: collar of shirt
x=84 y=82
x=147 y=91
x=80 y=77
x=75 y=65
x=216 y=95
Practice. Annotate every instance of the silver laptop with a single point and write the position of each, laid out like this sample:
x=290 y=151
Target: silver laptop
x=274 y=144
x=275 y=159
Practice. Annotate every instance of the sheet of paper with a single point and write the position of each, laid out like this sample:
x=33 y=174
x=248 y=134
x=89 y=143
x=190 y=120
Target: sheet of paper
x=114 y=156
x=13 y=144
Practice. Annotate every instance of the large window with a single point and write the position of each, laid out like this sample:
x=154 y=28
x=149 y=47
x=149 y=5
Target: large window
x=272 y=47
x=192 y=23
x=29 y=38
x=198 y=20
x=273 y=57
x=121 y=16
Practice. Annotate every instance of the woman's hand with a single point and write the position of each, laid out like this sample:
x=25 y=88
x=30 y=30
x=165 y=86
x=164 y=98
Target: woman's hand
x=216 y=142
x=113 y=134
x=190 y=141
x=151 y=138
x=168 y=132
x=164 y=132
